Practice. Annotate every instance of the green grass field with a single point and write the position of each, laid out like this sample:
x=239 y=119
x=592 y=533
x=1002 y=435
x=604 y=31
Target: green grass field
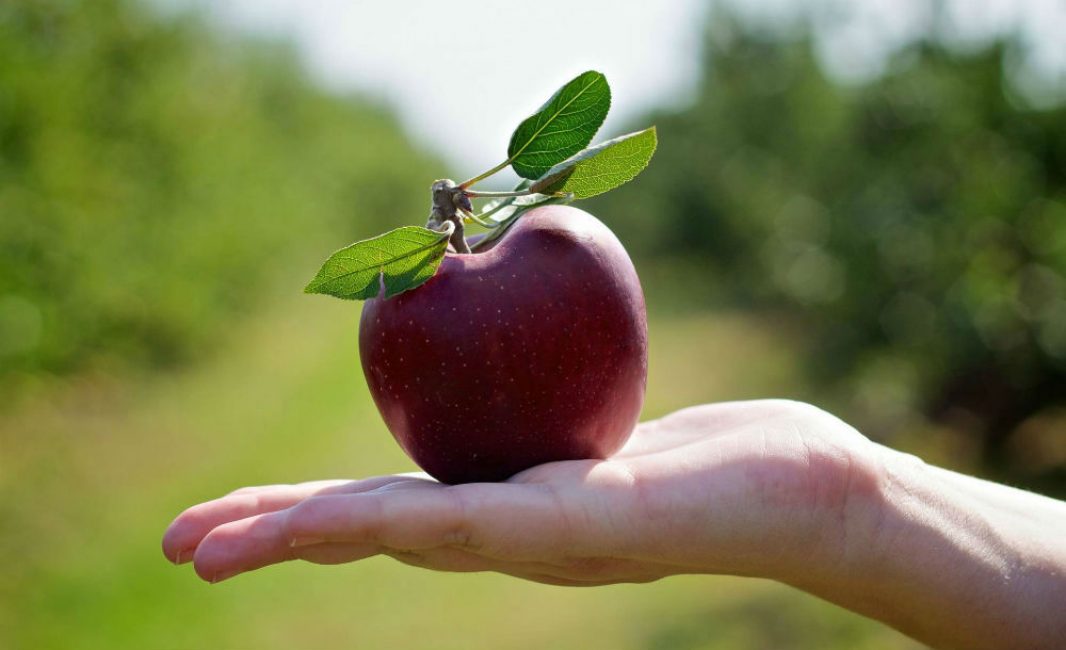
x=92 y=472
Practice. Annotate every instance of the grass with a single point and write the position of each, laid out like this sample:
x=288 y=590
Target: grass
x=93 y=471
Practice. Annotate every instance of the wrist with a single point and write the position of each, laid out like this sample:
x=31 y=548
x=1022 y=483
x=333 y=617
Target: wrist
x=860 y=536
x=938 y=560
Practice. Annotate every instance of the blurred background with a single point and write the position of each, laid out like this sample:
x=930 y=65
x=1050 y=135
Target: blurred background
x=859 y=204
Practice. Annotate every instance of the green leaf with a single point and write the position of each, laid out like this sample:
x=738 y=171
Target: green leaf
x=400 y=259
x=562 y=127
x=601 y=168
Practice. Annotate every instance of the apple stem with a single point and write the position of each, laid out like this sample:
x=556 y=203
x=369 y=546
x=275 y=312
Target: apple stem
x=447 y=201
x=450 y=203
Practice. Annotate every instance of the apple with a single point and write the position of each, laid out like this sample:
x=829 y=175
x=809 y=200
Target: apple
x=532 y=351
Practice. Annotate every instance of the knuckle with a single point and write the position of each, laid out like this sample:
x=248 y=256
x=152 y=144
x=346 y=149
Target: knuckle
x=297 y=518
x=459 y=531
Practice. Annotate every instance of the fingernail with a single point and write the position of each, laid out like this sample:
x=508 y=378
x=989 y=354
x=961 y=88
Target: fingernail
x=305 y=541
x=181 y=558
x=225 y=575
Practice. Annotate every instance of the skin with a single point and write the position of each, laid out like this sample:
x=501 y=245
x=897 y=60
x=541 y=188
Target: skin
x=772 y=489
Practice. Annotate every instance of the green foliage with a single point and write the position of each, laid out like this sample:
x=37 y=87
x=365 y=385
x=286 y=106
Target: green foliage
x=399 y=260
x=407 y=257
x=563 y=126
x=915 y=227
x=601 y=168
x=155 y=177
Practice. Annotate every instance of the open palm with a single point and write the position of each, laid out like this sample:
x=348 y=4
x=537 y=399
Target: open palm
x=747 y=488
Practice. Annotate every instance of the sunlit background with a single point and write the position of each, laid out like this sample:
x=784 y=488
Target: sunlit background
x=859 y=204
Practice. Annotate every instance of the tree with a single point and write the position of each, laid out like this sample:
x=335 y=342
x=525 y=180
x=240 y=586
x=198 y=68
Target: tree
x=157 y=174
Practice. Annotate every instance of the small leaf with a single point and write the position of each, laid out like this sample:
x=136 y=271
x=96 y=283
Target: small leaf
x=560 y=128
x=601 y=168
x=400 y=259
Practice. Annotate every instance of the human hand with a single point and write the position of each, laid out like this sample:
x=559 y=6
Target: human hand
x=763 y=488
x=772 y=488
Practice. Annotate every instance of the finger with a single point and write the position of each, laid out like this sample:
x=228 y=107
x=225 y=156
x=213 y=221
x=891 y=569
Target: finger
x=495 y=521
x=439 y=559
x=186 y=531
x=269 y=538
x=506 y=520
x=586 y=571
x=456 y=561
x=547 y=579
x=335 y=553
x=356 y=484
x=445 y=559
x=502 y=520
x=244 y=545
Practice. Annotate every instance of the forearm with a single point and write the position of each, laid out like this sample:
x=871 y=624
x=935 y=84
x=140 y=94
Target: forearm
x=954 y=561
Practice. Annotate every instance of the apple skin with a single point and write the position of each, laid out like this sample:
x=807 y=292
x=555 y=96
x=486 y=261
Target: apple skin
x=533 y=351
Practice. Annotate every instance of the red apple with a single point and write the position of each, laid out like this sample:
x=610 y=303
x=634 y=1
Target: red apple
x=532 y=351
